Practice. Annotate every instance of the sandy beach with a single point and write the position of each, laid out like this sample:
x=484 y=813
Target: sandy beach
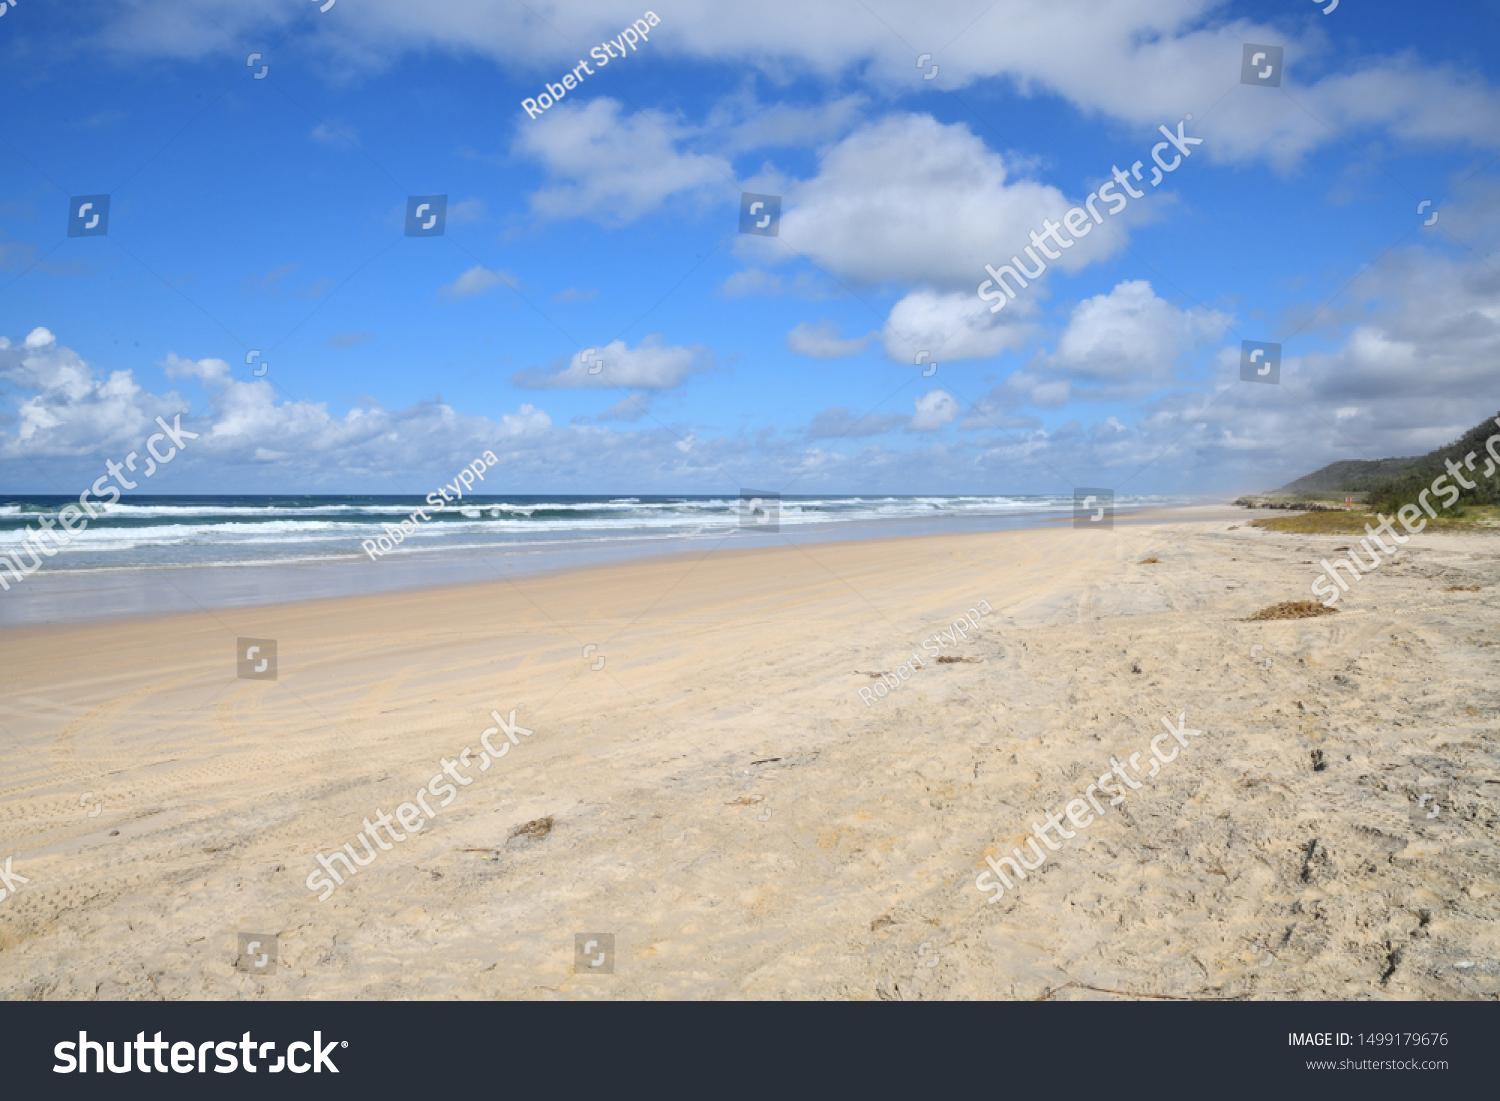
x=708 y=786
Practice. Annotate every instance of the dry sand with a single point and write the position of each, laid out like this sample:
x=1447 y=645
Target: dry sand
x=724 y=804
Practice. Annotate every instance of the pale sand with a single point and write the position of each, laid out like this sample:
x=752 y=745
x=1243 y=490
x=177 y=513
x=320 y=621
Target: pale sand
x=1205 y=883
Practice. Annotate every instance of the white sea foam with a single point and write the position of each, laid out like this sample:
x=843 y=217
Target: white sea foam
x=189 y=532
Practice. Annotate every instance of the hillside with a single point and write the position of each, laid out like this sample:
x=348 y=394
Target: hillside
x=1348 y=476
x=1422 y=472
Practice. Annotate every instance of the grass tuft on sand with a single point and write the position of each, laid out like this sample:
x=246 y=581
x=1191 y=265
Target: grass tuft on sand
x=534 y=830
x=1293 y=609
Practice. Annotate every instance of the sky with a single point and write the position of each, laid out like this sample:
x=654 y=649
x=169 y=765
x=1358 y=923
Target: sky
x=592 y=313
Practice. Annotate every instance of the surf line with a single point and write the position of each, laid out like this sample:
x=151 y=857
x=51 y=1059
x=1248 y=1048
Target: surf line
x=384 y=544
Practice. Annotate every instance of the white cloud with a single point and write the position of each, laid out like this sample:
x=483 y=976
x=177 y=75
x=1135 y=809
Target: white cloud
x=650 y=365
x=934 y=409
x=525 y=421
x=213 y=373
x=69 y=411
x=614 y=167
x=822 y=341
x=1143 y=62
x=912 y=199
x=71 y=414
x=1020 y=388
x=1129 y=339
x=951 y=327
x=1044 y=393
x=1400 y=363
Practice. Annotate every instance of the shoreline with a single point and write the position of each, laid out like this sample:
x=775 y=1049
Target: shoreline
x=146 y=592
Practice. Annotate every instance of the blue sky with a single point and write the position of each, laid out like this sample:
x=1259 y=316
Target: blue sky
x=267 y=214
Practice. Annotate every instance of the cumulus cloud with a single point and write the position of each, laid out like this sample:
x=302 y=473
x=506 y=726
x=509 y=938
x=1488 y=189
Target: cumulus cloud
x=213 y=373
x=951 y=327
x=1142 y=62
x=1423 y=339
x=1401 y=362
x=71 y=412
x=822 y=341
x=912 y=199
x=525 y=421
x=934 y=409
x=650 y=365
x=1129 y=340
x=613 y=167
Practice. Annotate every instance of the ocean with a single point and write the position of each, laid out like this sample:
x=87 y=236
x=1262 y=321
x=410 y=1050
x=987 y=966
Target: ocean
x=168 y=553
